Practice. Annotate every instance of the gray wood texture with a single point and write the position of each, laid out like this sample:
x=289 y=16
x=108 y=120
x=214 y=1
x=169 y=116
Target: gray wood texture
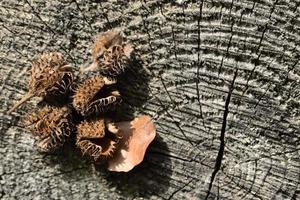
x=220 y=78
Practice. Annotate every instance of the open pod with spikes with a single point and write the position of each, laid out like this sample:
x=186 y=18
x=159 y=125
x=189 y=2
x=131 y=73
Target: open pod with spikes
x=50 y=76
x=97 y=138
x=110 y=54
x=96 y=95
x=51 y=126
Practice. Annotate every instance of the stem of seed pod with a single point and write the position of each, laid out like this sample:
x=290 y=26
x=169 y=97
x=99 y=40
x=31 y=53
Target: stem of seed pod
x=64 y=67
x=25 y=98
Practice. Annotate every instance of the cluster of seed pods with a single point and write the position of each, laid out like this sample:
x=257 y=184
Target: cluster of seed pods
x=81 y=109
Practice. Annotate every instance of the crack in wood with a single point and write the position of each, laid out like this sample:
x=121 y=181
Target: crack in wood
x=189 y=90
x=174 y=42
x=179 y=189
x=252 y=182
x=105 y=15
x=227 y=49
x=222 y=136
x=50 y=29
x=175 y=122
x=83 y=15
x=258 y=52
x=265 y=177
x=168 y=93
x=199 y=63
x=241 y=187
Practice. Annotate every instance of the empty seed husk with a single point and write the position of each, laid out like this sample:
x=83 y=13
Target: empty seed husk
x=50 y=126
x=50 y=76
x=97 y=138
x=96 y=95
x=110 y=54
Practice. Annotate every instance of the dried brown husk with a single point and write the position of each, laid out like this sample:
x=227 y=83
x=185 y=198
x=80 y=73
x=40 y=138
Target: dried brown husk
x=50 y=126
x=110 y=54
x=97 y=138
x=50 y=75
x=136 y=137
x=96 y=95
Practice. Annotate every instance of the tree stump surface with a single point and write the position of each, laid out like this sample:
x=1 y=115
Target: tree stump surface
x=221 y=79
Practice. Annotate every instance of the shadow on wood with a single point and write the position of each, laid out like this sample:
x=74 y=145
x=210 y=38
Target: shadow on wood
x=134 y=89
x=152 y=176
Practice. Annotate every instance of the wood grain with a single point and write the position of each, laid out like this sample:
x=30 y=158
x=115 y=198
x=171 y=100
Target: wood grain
x=220 y=78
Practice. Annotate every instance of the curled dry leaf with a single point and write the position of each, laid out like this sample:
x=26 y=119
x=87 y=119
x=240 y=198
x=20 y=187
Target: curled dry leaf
x=110 y=54
x=136 y=137
x=96 y=95
x=97 y=138
x=50 y=75
x=51 y=126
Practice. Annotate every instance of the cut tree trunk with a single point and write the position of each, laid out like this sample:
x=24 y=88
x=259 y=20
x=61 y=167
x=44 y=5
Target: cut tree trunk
x=221 y=78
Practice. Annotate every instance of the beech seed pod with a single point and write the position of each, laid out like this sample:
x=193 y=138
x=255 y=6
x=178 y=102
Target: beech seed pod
x=50 y=75
x=110 y=54
x=96 y=95
x=97 y=138
x=51 y=126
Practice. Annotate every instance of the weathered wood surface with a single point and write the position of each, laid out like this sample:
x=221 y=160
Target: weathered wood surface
x=224 y=91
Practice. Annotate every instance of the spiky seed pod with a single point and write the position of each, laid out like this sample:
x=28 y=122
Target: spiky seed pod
x=105 y=41
x=50 y=75
x=96 y=95
x=110 y=54
x=113 y=61
x=97 y=138
x=51 y=126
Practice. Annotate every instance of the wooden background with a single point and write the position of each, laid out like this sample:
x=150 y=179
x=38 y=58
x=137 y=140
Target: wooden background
x=221 y=78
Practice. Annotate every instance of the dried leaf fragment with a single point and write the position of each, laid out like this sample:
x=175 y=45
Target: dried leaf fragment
x=50 y=75
x=96 y=95
x=136 y=137
x=110 y=54
x=51 y=126
x=97 y=138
